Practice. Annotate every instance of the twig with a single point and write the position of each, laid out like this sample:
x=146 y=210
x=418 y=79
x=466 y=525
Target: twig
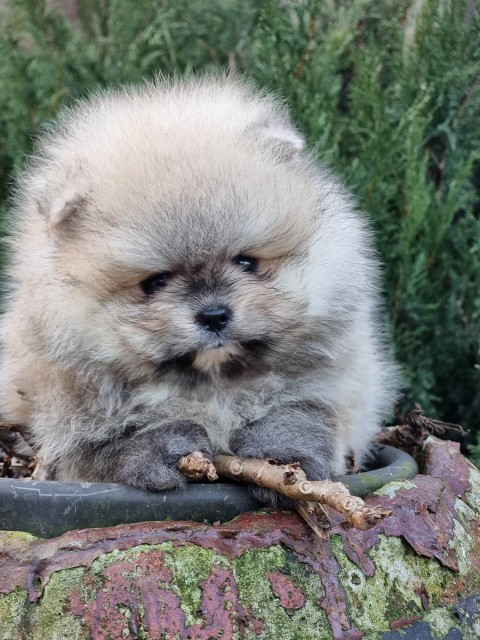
x=316 y=517
x=291 y=481
x=196 y=467
x=415 y=430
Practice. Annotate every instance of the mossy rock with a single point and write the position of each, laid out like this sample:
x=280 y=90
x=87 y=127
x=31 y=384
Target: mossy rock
x=261 y=575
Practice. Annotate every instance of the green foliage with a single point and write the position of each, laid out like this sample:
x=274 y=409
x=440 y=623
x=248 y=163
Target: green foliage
x=390 y=102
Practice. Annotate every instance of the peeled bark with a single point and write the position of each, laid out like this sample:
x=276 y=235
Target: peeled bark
x=262 y=574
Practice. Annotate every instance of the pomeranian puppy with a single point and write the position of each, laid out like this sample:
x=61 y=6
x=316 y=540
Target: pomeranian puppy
x=183 y=276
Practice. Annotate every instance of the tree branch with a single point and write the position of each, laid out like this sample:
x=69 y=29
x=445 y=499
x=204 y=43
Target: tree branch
x=290 y=480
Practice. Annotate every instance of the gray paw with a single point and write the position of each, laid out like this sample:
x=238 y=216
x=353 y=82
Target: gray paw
x=257 y=441
x=141 y=465
x=149 y=459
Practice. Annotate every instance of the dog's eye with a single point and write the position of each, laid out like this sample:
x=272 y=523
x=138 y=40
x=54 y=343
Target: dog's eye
x=154 y=283
x=250 y=265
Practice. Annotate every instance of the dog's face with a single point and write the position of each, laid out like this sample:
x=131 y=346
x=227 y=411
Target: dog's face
x=204 y=275
x=186 y=241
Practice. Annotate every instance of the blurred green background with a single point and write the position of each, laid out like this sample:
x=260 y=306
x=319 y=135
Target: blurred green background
x=387 y=93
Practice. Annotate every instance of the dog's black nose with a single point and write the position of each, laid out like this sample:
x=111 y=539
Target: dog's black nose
x=214 y=319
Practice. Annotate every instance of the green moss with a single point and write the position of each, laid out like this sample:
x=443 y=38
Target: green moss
x=12 y=609
x=390 y=593
x=191 y=566
x=462 y=542
x=129 y=556
x=17 y=542
x=472 y=497
x=441 y=620
x=466 y=545
x=256 y=594
x=391 y=488
x=49 y=619
x=9 y=537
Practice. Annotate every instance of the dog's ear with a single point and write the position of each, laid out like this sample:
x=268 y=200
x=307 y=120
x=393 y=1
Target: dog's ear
x=61 y=206
x=60 y=194
x=283 y=135
x=279 y=138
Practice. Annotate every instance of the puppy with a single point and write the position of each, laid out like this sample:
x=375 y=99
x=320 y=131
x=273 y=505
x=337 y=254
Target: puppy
x=183 y=276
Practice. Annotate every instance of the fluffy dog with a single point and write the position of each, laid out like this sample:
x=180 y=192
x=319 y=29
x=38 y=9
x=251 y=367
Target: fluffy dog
x=182 y=277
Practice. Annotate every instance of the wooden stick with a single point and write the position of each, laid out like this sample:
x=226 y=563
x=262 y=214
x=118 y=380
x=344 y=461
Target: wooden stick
x=291 y=481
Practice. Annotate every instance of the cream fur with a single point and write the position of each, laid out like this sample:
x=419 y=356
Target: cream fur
x=181 y=177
